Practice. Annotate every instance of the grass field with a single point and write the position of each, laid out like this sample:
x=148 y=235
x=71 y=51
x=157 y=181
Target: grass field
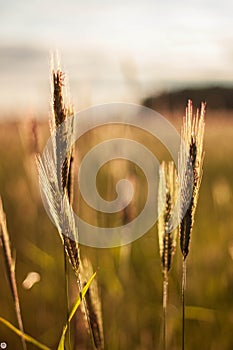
x=129 y=277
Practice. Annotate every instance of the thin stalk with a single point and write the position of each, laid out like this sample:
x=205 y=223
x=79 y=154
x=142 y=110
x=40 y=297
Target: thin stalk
x=165 y=290
x=67 y=297
x=10 y=266
x=80 y=286
x=183 y=301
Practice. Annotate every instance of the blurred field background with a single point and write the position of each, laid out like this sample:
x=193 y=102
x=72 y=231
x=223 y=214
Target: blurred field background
x=150 y=52
x=130 y=277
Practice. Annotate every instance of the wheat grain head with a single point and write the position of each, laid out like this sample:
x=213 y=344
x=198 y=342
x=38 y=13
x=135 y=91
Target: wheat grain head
x=190 y=171
x=167 y=196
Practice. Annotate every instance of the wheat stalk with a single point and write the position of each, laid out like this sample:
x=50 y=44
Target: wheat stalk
x=10 y=267
x=190 y=174
x=55 y=176
x=56 y=180
x=61 y=113
x=167 y=232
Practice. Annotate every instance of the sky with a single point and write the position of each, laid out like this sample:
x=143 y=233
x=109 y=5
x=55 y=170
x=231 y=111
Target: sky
x=111 y=51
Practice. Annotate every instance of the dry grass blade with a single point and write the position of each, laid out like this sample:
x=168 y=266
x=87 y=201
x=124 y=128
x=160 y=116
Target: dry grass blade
x=93 y=305
x=10 y=266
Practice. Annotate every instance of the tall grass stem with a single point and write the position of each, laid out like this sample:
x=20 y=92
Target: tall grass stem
x=183 y=301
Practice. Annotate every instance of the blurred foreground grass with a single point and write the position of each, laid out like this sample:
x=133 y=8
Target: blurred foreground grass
x=129 y=277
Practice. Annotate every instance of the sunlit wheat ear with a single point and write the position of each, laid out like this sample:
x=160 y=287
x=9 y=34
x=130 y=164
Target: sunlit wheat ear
x=167 y=231
x=10 y=267
x=93 y=304
x=61 y=111
x=54 y=173
x=190 y=171
x=166 y=206
x=190 y=175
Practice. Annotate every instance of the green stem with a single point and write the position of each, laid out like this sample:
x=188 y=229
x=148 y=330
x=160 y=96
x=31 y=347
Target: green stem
x=26 y=337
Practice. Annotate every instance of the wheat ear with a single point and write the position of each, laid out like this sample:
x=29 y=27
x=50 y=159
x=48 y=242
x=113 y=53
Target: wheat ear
x=64 y=170
x=166 y=231
x=190 y=175
x=10 y=267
